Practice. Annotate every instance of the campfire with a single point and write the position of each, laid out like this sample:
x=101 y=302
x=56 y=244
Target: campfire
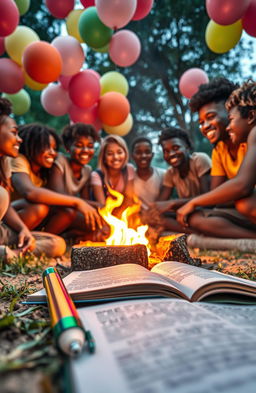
x=127 y=241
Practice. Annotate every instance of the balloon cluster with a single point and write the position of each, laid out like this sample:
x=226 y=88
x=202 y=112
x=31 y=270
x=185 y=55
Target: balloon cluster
x=228 y=19
x=82 y=93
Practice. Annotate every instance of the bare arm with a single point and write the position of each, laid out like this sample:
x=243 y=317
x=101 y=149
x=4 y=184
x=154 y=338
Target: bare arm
x=56 y=181
x=166 y=193
x=205 y=182
x=216 y=181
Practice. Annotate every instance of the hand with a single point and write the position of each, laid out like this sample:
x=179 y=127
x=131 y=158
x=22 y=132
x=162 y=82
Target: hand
x=183 y=212
x=26 y=241
x=91 y=216
x=162 y=206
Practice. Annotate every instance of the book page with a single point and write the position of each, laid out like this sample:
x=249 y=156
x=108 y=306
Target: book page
x=168 y=345
x=190 y=278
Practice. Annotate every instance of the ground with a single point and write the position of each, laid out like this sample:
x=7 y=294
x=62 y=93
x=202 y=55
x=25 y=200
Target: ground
x=29 y=362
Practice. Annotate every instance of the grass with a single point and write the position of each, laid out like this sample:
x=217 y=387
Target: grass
x=23 y=265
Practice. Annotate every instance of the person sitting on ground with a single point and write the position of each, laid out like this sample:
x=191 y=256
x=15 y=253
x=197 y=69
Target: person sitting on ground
x=113 y=171
x=148 y=180
x=70 y=174
x=13 y=231
x=188 y=173
x=240 y=189
x=29 y=177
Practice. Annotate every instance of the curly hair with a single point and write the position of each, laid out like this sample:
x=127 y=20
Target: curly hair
x=217 y=90
x=35 y=139
x=5 y=109
x=141 y=139
x=71 y=132
x=175 y=132
x=244 y=98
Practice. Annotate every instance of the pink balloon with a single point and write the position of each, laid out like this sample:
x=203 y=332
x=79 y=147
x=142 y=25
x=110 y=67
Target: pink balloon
x=71 y=52
x=124 y=48
x=97 y=125
x=60 y=8
x=87 y=3
x=84 y=89
x=226 y=12
x=94 y=73
x=191 y=80
x=2 y=47
x=249 y=18
x=55 y=100
x=65 y=80
x=9 y=17
x=115 y=13
x=143 y=9
x=83 y=115
x=11 y=76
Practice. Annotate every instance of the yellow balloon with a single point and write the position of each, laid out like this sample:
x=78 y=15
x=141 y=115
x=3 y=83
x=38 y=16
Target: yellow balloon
x=16 y=42
x=33 y=84
x=114 y=81
x=221 y=39
x=72 y=24
x=121 y=130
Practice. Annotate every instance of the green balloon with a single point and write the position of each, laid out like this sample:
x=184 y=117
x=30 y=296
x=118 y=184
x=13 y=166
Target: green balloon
x=23 y=6
x=20 y=102
x=93 y=32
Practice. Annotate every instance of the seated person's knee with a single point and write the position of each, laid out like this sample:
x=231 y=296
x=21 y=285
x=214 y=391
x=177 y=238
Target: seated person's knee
x=243 y=207
x=4 y=201
x=41 y=210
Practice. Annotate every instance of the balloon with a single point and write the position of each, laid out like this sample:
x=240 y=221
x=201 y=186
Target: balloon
x=92 y=30
x=124 y=48
x=55 y=100
x=23 y=6
x=72 y=24
x=84 y=89
x=226 y=12
x=2 y=47
x=20 y=102
x=121 y=130
x=71 y=52
x=249 y=18
x=11 y=76
x=97 y=125
x=114 y=81
x=87 y=3
x=42 y=62
x=93 y=73
x=64 y=81
x=191 y=80
x=104 y=49
x=221 y=39
x=83 y=115
x=16 y=42
x=60 y=8
x=113 y=108
x=9 y=17
x=143 y=9
x=116 y=13
x=29 y=82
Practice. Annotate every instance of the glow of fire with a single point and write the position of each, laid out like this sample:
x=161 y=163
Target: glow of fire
x=120 y=233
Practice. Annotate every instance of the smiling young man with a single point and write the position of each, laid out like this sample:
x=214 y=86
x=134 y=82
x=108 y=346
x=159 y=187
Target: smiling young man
x=241 y=106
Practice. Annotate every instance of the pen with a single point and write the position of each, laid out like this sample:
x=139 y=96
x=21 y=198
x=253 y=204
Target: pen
x=70 y=335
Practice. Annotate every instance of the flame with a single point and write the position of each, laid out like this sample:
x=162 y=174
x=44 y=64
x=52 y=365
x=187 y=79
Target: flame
x=120 y=232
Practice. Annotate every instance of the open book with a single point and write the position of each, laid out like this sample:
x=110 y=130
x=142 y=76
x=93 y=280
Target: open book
x=167 y=279
x=167 y=345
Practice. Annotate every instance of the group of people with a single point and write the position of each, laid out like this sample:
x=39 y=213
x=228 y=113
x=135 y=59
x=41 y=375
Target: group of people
x=47 y=196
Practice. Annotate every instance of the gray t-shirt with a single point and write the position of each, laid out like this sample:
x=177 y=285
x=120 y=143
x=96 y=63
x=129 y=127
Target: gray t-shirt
x=148 y=190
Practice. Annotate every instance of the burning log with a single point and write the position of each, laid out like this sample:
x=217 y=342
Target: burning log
x=178 y=251
x=95 y=257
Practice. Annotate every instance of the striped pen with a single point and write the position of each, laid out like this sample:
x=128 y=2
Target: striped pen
x=67 y=327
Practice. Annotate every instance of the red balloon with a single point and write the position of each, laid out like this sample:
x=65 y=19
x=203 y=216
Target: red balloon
x=143 y=9
x=84 y=89
x=11 y=76
x=226 y=12
x=83 y=115
x=65 y=81
x=9 y=17
x=191 y=80
x=2 y=47
x=94 y=73
x=249 y=18
x=42 y=62
x=113 y=108
x=60 y=8
x=87 y=3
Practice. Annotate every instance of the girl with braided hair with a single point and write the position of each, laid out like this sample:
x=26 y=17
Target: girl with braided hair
x=241 y=106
